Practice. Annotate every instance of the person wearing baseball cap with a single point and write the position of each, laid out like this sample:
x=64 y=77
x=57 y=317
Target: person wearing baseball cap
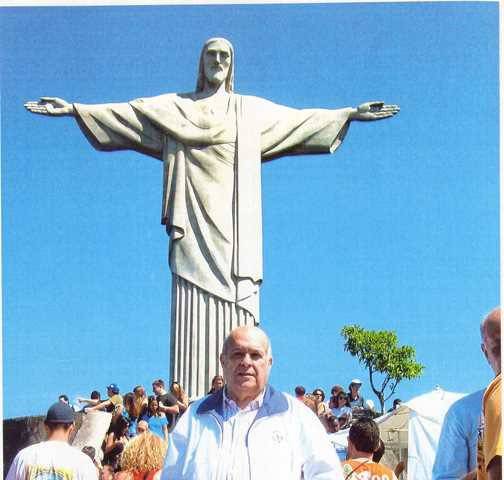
x=355 y=399
x=54 y=458
x=112 y=403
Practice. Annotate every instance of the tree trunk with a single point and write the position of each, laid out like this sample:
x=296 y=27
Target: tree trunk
x=382 y=402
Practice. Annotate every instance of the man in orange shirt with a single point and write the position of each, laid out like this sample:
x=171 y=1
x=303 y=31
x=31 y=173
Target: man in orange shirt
x=363 y=440
x=490 y=438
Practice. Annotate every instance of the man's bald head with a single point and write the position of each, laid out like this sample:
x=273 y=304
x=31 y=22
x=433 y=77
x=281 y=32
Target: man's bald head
x=491 y=339
x=255 y=332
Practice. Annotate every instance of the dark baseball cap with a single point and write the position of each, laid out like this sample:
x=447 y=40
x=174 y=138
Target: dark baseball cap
x=60 y=412
x=113 y=388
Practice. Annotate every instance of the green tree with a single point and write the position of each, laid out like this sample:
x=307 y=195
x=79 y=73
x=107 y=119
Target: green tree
x=378 y=350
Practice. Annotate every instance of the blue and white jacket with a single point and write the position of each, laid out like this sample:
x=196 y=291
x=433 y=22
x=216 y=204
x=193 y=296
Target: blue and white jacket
x=284 y=441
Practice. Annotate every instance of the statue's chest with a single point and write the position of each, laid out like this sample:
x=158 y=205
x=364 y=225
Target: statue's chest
x=210 y=112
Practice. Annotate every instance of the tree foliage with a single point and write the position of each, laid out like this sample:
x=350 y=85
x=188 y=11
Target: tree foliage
x=379 y=352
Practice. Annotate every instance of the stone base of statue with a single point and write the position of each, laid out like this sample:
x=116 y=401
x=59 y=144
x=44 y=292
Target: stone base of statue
x=200 y=322
x=92 y=432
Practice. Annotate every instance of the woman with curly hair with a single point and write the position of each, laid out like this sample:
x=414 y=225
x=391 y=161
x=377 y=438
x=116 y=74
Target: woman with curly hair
x=142 y=459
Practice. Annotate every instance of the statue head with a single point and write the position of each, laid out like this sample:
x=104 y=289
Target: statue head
x=216 y=64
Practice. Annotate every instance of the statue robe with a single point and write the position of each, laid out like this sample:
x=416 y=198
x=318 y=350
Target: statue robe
x=211 y=201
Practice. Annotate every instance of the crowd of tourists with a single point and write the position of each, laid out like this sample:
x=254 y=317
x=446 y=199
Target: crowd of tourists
x=133 y=414
x=142 y=456
x=246 y=430
x=140 y=423
x=337 y=412
x=136 y=413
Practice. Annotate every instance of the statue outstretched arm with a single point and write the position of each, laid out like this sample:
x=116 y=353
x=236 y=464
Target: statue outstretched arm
x=53 y=106
x=113 y=126
x=373 y=111
x=290 y=131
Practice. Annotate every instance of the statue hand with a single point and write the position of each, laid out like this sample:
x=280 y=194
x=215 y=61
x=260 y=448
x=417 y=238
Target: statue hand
x=50 y=106
x=374 y=111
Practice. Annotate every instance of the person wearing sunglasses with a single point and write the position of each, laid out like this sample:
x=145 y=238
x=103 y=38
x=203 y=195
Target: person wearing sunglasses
x=343 y=411
x=319 y=397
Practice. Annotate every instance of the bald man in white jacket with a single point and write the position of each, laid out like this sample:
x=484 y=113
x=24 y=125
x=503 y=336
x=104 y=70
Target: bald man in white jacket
x=247 y=430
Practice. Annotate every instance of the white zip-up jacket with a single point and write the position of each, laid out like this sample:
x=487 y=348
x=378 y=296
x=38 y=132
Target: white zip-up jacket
x=285 y=441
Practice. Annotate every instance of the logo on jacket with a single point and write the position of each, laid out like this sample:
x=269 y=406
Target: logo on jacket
x=277 y=436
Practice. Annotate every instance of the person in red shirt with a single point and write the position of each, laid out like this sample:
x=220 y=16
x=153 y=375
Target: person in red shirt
x=363 y=441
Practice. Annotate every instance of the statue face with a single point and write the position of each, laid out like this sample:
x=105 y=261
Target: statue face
x=216 y=62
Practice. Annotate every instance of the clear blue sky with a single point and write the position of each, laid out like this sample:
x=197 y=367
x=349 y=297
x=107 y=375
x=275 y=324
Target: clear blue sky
x=399 y=229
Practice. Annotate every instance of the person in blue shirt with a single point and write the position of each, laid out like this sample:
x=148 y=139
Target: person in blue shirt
x=158 y=423
x=456 y=451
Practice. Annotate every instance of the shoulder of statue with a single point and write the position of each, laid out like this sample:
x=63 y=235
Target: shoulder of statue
x=252 y=99
x=157 y=99
x=255 y=107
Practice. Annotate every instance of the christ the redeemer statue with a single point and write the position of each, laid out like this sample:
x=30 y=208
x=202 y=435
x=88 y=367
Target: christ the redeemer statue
x=211 y=142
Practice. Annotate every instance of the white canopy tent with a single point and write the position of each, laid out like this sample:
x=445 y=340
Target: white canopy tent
x=410 y=433
x=427 y=413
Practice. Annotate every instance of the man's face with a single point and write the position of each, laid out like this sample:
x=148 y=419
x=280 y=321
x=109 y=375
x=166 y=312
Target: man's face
x=491 y=350
x=157 y=389
x=216 y=62
x=491 y=340
x=246 y=364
